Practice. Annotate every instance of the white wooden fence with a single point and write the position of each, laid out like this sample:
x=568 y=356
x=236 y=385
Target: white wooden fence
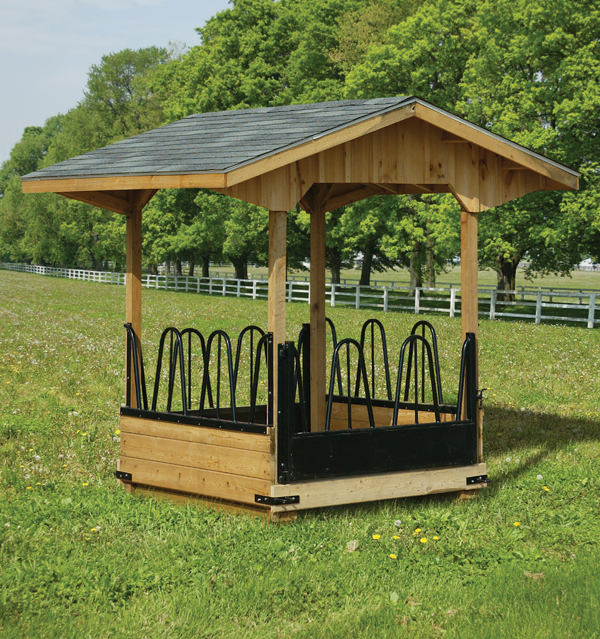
x=580 y=306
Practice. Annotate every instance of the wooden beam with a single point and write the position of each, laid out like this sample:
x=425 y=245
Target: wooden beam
x=318 y=328
x=126 y=183
x=133 y=279
x=276 y=302
x=102 y=200
x=354 y=490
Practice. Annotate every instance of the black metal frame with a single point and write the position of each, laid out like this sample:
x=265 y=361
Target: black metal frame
x=303 y=455
x=214 y=415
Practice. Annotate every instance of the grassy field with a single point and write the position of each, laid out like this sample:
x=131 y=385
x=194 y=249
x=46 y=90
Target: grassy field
x=79 y=558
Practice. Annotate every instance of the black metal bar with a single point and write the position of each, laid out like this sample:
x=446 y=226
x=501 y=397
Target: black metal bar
x=190 y=332
x=409 y=341
x=386 y=365
x=222 y=337
x=263 y=345
x=285 y=408
x=240 y=341
x=123 y=476
x=424 y=324
x=334 y=342
x=138 y=370
x=465 y=379
x=176 y=352
x=299 y=390
x=277 y=501
x=361 y=364
x=304 y=353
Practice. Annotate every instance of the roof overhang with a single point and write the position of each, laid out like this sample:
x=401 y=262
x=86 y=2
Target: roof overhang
x=409 y=146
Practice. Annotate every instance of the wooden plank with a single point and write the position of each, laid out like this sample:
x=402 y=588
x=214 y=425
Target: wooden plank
x=353 y=490
x=319 y=144
x=463 y=129
x=187 y=499
x=382 y=416
x=102 y=200
x=234 y=461
x=127 y=183
x=468 y=273
x=193 y=480
x=276 y=304
x=133 y=281
x=196 y=434
x=318 y=327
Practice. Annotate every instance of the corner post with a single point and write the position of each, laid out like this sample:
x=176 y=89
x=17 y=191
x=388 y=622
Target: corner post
x=277 y=292
x=133 y=281
x=470 y=298
x=318 y=328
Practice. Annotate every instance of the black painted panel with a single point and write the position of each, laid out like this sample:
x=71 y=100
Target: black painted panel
x=379 y=450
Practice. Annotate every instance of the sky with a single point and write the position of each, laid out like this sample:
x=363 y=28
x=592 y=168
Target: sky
x=48 y=46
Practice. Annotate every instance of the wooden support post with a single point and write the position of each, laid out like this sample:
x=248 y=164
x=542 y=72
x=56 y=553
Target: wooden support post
x=318 y=328
x=277 y=277
x=470 y=295
x=133 y=282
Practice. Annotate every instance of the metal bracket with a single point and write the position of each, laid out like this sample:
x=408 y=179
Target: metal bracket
x=277 y=501
x=478 y=479
x=119 y=474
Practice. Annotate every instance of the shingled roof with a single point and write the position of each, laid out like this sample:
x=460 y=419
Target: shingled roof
x=218 y=142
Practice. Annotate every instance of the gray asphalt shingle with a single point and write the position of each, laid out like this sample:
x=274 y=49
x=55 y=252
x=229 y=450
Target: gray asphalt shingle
x=217 y=142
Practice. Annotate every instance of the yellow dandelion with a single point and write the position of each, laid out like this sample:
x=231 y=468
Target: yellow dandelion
x=435 y=538
x=117 y=432
x=376 y=537
x=92 y=530
x=39 y=483
x=28 y=488
x=393 y=557
x=396 y=537
x=517 y=523
x=64 y=465
x=21 y=466
x=546 y=489
x=423 y=540
x=418 y=530
x=83 y=434
x=85 y=484
x=31 y=450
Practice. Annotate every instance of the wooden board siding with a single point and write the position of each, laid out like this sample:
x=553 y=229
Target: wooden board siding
x=353 y=490
x=194 y=480
x=382 y=416
x=193 y=459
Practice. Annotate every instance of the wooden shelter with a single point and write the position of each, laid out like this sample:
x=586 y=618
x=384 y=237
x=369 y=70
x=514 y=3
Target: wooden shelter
x=322 y=156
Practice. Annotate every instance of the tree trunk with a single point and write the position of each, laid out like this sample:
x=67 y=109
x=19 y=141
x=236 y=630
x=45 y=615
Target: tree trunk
x=178 y=267
x=335 y=265
x=241 y=269
x=416 y=274
x=168 y=267
x=205 y=261
x=365 y=273
x=191 y=269
x=152 y=268
x=506 y=273
x=430 y=260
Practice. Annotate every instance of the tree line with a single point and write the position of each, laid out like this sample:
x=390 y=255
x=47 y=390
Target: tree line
x=528 y=70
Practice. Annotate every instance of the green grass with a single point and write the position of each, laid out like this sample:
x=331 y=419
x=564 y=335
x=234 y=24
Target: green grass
x=151 y=569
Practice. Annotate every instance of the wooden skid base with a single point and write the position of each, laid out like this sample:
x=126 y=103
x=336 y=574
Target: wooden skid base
x=264 y=513
x=353 y=490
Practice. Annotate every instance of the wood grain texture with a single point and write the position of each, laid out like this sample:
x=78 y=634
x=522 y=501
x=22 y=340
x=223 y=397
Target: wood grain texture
x=126 y=183
x=318 y=327
x=194 y=480
x=196 y=434
x=133 y=281
x=352 y=490
x=234 y=461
